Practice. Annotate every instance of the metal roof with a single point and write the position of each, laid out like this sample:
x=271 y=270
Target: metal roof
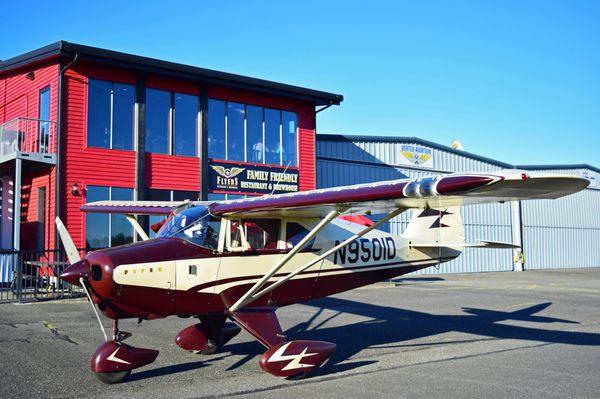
x=95 y=54
x=417 y=140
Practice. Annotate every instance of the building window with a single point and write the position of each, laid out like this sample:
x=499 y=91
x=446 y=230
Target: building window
x=255 y=151
x=44 y=116
x=185 y=136
x=110 y=115
x=158 y=120
x=216 y=129
x=171 y=123
x=239 y=132
x=235 y=131
x=107 y=230
x=289 y=137
x=272 y=136
x=222 y=197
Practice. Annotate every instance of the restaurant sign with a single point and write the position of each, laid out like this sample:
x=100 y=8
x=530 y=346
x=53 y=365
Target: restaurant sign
x=251 y=178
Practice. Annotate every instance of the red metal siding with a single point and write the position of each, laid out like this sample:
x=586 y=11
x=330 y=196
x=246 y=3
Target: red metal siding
x=306 y=126
x=19 y=97
x=170 y=84
x=31 y=182
x=172 y=172
x=87 y=165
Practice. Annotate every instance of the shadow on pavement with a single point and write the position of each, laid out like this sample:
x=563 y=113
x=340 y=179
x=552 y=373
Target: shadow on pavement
x=172 y=369
x=390 y=327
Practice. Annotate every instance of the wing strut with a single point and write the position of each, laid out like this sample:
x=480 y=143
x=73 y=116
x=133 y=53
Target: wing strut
x=250 y=296
x=136 y=226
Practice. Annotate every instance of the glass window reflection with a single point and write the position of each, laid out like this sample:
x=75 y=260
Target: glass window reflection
x=254 y=134
x=216 y=129
x=121 y=231
x=156 y=195
x=185 y=136
x=97 y=224
x=272 y=136
x=110 y=115
x=98 y=128
x=158 y=106
x=235 y=131
x=289 y=124
x=123 y=105
x=107 y=230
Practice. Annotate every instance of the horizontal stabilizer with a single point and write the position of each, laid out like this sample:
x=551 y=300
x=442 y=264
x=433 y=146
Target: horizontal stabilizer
x=478 y=244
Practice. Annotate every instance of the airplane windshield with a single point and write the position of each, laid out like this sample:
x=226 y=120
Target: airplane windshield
x=195 y=225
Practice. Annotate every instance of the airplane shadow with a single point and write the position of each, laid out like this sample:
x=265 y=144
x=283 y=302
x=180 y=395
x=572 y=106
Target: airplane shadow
x=390 y=327
x=172 y=369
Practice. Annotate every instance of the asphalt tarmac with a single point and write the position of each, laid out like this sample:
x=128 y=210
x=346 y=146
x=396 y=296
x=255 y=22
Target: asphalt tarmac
x=492 y=335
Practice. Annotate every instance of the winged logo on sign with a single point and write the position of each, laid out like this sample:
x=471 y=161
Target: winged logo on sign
x=227 y=173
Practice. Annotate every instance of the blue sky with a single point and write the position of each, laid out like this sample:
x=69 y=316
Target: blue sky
x=518 y=81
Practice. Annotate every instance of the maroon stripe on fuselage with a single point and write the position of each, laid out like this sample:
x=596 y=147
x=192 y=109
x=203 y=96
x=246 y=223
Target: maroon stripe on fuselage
x=295 y=291
x=321 y=272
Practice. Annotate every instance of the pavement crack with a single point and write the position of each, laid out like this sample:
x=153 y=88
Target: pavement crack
x=24 y=340
x=55 y=332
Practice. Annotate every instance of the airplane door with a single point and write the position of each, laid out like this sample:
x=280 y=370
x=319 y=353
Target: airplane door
x=195 y=284
x=165 y=297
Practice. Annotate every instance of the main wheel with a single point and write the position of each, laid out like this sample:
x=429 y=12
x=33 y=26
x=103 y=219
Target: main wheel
x=113 y=378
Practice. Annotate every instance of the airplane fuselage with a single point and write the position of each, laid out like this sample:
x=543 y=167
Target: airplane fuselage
x=171 y=276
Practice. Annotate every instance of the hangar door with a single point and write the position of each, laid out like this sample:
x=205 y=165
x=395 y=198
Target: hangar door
x=562 y=233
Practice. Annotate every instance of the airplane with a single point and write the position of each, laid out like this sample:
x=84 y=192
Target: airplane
x=240 y=260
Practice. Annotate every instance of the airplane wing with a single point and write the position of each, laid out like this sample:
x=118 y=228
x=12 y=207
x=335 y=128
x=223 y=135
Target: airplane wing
x=138 y=207
x=453 y=189
x=437 y=191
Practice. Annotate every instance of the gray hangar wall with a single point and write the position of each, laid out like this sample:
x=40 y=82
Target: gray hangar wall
x=562 y=233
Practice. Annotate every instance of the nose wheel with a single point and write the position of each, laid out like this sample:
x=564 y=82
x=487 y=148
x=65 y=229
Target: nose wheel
x=114 y=377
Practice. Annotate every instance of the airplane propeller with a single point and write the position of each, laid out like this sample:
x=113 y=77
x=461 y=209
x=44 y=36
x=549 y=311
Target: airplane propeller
x=79 y=269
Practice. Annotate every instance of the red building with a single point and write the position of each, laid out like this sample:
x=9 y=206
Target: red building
x=80 y=124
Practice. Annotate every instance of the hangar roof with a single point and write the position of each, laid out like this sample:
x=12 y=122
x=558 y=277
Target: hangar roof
x=417 y=140
x=69 y=50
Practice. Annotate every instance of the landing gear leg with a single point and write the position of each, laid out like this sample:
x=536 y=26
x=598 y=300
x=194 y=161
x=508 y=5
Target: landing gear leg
x=118 y=335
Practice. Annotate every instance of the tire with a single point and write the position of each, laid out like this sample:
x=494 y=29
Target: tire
x=113 y=378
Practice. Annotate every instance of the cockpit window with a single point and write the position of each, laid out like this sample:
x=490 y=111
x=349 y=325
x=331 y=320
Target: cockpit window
x=195 y=225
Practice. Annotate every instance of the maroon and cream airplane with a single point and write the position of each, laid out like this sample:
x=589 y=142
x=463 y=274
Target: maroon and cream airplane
x=242 y=259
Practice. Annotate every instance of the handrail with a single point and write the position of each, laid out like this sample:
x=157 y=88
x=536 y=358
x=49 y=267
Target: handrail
x=28 y=135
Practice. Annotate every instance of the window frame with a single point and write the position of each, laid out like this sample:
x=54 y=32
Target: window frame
x=44 y=123
x=280 y=111
x=110 y=215
x=171 y=124
x=111 y=116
